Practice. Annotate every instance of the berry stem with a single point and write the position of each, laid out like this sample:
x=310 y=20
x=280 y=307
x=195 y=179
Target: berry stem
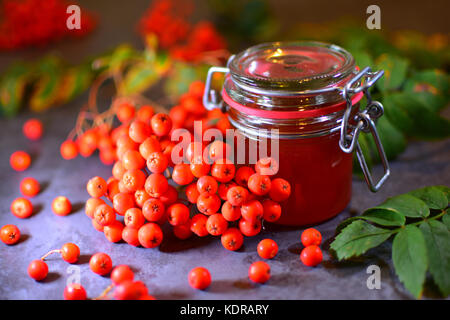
x=49 y=253
x=104 y=293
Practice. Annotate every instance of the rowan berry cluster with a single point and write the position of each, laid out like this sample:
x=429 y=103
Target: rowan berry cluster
x=37 y=23
x=195 y=196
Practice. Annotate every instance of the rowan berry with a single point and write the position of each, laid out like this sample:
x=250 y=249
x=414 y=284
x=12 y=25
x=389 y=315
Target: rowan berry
x=122 y=273
x=133 y=179
x=150 y=145
x=311 y=256
x=74 y=291
x=70 y=252
x=183 y=231
x=125 y=143
x=113 y=189
x=128 y=290
x=29 y=187
x=267 y=166
x=130 y=236
x=156 y=184
x=232 y=239
x=199 y=168
x=32 y=129
x=96 y=187
x=208 y=203
x=182 y=174
x=140 y=196
x=157 y=162
x=207 y=184
x=118 y=170
x=243 y=174
x=272 y=210
x=252 y=210
x=223 y=189
x=280 y=190
x=108 y=156
x=194 y=151
x=178 y=115
x=223 y=170
x=139 y=131
x=259 y=272
x=198 y=225
x=267 y=249
x=192 y=193
x=237 y=195
x=219 y=150
x=170 y=196
x=216 y=224
x=153 y=209
x=68 y=150
x=21 y=208
x=199 y=278
x=10 y=234
x=161 y=124
x=249 y=228
x=104 y=215
x=145 y=113
x=100 y=263
x=196 y=89
x=259 y=184
x=230 y=212
x=122 y=202
x=125 y=112
x=38 y=270
x=20 y=160
x=97 y=226
x=150 y=235
x=113 y=231
x=193 y=105
x=132 y=159
x=310 y=237
x=178 y=214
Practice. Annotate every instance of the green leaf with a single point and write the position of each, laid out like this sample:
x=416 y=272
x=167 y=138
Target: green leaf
x=446 y=218
x=393 y=140
x=409 y=255
x=357 y=238
x=384 y=217
x=121 y=54
x=437 y=240
x=75 y=80
x=415 y=119
x=406 y=205
x=362 y=59
x=395 y=69
x=445 y=190
x=432 y=196
x=138 y=79
x=12 y=88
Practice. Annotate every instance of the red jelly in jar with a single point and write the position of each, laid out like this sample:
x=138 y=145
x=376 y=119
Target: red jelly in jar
x=303 y=98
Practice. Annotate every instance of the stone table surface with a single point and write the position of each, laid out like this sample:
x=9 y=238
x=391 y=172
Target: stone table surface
x=165 y=269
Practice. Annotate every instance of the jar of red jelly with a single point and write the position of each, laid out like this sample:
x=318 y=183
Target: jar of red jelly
x=309 y=93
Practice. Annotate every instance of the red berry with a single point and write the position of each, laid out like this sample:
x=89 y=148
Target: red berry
x=259 y=272
x=243 y=174
x=100 y=263
x=272 y=210
x=216 y=224
x=232 y=239
x=104 y=215
x=150 y=235
x=207 y=184
x=249 y=229
x=267 y=248
x=230 y=212
x=157 y=162
x=223 y=170
x=132 y=159
x=182 y=174
x=113 y=231
x=68 y=150
x=223 y=189
x=20 y=160
x=259 y=184
x=29 y=187
x=149 y=146
x=61 y=206
x=170 y=196
x=134 y=218
x=75 y=291
x=192 y=192
x=156 y=184
x=198 y=225
x=9 y=234
x=122 y=202
x=38 y=270
x=96 y=187
x=128 y=290
x=280 y=190
x=208 y=203
x=125 y=112
x=252 y=210
x=145 y=113
x=178 y=214
x=21 y=208
x=161 y=124
x=153 y=210
x=311 y=256
x=133 y=180
x=199 y=168
x=139 y=131
x=311 y=237
x=130 y=236
x=122 y=273
x=267 y=166
x=183 y=231
x=199 y=278
x=140 y=196
x=91 y=205
x=70 y=252
x=32 y=129
x=237 y=195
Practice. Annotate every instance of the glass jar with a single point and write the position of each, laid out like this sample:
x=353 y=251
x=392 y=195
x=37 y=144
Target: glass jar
x=305 y=97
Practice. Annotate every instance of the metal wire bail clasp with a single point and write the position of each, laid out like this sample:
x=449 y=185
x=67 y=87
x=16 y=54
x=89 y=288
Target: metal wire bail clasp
x=365 y=121
x=210 y=100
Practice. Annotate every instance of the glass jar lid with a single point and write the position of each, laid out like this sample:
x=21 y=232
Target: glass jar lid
x=292 y=66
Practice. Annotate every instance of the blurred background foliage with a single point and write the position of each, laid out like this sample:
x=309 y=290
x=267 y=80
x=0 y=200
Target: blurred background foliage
x=414 y=89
